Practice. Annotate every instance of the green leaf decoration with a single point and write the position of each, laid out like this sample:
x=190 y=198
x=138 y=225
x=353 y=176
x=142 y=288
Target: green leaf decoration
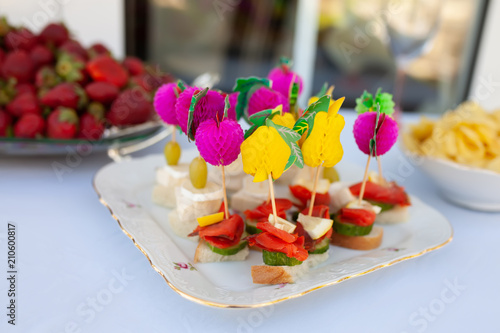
x=321 y=104
x=300 y=126
x=226 y=105
x=323 y=90
x=284 y=61
x=305 y=123
x=194 y=100
x=373 y=141
x=246 y=87
x=181 y=85
x=298 y=153
x=294 y=93
x=250 y=131
x=259 y=118
x=289 y=135
x=291 y=161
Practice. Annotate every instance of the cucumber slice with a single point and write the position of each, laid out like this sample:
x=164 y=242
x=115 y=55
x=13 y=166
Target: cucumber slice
x=279 y=259
x=251 y=227
x=350 y=229
x=322 y=247
x=228 y=251
x=384 y=206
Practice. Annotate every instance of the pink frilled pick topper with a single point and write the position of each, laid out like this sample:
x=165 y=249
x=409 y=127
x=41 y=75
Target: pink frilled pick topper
x=164 y=102
x=364 y=129
x=266 y=98
x=219 y=142
x=209 y=106
x=282 y=78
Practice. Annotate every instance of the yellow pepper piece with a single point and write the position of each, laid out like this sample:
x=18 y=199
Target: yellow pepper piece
x=323 y=144
x=263 y=153
x=286 y=120
x=210 y=219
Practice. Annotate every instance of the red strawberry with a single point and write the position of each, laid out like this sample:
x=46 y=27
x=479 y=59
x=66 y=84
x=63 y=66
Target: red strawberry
x=63 y=94
x=2 y=57
x=104 y=68
x=103 y=92
x=54 y=34
x=74 y=48
x=41 y=56
x=20 y=39
x=47 y=77
x=24 y=104
x=5 y=123
x=91 y=122
x=70 y=68
x=18 y=64
x=29 y=126
x=131 y=107
x=97 y=49
x=62 y=123
x=133 y=65
x=23 y=88
x=151 y=81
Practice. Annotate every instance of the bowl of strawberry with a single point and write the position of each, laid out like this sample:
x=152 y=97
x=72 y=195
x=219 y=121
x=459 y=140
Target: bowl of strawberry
x=55 y=92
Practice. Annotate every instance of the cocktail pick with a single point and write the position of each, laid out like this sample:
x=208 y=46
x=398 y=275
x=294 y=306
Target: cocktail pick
x=369 y=103
x=268 y=151
x=164 y=104
x=219 y=144
x=322 y=145
x=375 y=134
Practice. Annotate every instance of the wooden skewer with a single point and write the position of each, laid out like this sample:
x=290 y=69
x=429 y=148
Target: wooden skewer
x=226 y=211
x=313 y=197
x=380 y=174
x=365 y=177
x=271 y=190
x=173 y=133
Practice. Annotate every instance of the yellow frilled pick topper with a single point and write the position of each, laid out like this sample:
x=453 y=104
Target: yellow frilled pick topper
x=270 y=145
x=322 y=145
x=264 y=153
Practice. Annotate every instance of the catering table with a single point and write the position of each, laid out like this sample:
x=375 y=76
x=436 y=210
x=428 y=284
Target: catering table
x=78 y=272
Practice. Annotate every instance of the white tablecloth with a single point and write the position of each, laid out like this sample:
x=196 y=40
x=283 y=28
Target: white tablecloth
x=78 y=272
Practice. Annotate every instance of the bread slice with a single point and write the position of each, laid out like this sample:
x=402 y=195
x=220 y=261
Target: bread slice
x=264 y=274
x=398 y=214
x=167 y=179
x=182 y=228
x=204 y=254
x=163 y=196
x=368 y=242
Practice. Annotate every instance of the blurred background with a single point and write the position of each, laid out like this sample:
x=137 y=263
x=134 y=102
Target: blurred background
x=431 y=54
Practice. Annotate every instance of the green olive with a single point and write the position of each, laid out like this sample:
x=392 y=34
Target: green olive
x=331 y=174
x=172 y=153
x=198 y=172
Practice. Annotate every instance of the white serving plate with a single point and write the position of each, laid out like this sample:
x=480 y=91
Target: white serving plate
x=126 y=187
x=469 y=187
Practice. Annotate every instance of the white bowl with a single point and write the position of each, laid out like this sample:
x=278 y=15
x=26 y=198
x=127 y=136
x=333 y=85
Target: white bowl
x=465 y=186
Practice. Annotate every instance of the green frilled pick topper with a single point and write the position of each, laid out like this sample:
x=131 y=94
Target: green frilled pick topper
x=368 y=103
